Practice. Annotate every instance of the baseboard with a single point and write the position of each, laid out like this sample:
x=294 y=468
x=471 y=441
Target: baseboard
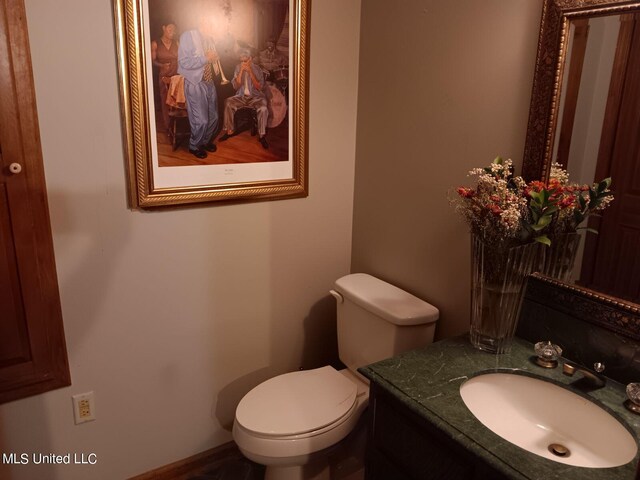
x=191 y=465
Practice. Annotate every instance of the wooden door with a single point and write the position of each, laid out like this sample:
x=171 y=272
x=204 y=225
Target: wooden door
x=33 y=357
x=612 y=258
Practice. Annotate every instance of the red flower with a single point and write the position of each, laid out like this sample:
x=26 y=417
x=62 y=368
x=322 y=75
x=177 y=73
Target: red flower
x=567 y=202
x=466 y=192
x=495 y=209
x=555 y=185
x=535 y=186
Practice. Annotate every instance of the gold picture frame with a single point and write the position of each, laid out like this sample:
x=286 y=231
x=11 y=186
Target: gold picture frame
x=241 y=170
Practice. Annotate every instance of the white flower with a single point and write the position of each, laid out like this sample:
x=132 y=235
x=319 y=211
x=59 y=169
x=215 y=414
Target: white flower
x=559 y=173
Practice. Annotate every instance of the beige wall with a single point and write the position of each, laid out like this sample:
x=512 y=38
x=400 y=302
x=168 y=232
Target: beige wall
x=444 y=87
x=172 y=316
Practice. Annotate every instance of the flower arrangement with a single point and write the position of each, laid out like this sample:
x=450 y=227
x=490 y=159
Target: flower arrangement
x=504 y=209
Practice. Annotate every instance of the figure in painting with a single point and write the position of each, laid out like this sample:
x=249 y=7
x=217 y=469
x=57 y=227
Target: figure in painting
x=271 y=58
x=249 y=83
x=164 y=54
x=197 y=63
x=275 y=65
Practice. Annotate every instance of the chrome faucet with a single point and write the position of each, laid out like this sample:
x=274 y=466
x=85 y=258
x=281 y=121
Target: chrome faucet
x=592 y=378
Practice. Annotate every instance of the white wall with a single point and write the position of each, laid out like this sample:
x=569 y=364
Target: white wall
x=172 y=316
x=444 y=87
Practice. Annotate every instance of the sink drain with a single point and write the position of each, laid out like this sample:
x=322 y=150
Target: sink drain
x=559 y=450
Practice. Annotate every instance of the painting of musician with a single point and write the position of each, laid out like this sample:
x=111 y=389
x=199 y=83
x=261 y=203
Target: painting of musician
x=215 y=56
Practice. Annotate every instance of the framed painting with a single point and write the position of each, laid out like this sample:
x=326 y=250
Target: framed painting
x=214 y=99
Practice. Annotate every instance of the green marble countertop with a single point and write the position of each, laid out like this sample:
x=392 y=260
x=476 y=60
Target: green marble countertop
x=428 y=381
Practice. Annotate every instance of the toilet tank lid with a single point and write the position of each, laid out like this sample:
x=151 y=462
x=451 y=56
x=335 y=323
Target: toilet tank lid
x=386 y=300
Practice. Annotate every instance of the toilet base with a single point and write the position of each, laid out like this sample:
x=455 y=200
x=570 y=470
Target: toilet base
x=318 y=470
x=314 y=466
x=348 y=454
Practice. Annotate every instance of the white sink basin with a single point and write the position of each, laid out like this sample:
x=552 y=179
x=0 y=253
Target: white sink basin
x=538 y=416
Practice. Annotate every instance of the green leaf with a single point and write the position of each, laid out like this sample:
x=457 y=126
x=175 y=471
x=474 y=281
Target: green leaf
x=544 y=220
x=545 y=195
x=497 y=160
x=582 y=201
x=604 y=184
x=543 y=239
x=534 y=215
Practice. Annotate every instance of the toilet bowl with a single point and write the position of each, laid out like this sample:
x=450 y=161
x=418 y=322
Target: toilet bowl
x=309 y=412
x=291 y=422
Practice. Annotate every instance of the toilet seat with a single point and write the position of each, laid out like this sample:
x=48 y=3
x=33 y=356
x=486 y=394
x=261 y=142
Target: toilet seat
x=300 y=404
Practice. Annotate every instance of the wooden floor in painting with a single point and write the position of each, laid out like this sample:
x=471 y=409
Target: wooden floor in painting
x=242 y=148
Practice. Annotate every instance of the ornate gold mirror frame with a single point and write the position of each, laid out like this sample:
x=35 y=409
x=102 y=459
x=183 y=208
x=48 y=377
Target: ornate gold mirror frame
x=543 y=117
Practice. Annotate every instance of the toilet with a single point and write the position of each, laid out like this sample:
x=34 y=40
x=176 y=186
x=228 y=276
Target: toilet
x=289 y=423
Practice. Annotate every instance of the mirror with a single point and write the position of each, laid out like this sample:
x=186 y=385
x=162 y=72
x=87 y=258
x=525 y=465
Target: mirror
x=585 y=115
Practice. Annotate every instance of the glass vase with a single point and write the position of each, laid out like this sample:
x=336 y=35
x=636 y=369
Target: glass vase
x=498 y=278
x=559 y=258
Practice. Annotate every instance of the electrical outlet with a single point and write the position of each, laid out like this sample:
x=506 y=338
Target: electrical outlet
x=84 y=407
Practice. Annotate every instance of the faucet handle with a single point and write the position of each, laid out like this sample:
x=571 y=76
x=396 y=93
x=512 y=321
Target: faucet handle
x=633 y=398
x=547 y=354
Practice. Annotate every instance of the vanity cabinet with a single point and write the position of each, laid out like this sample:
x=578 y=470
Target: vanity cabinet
x=421 y=429
x=404 y=446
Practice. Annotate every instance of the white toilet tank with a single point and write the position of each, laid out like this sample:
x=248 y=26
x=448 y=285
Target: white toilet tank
x=377 y=320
